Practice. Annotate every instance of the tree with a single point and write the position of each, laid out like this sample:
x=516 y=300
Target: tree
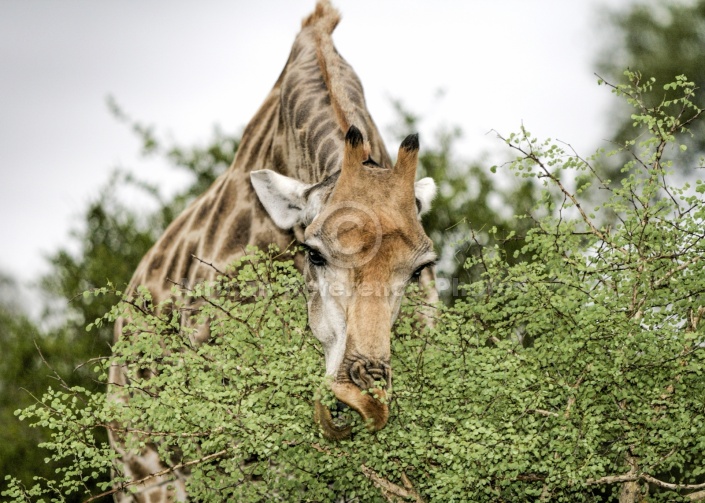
x=659 y=40
x=29 y=359
x=107 y=245
x=111 y=239
x=470 y=211
x=574 y=375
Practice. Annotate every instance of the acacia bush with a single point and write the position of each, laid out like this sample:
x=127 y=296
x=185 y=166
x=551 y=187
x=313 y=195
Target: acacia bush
x=576 y=375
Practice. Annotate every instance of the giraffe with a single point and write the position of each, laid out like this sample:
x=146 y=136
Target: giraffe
x=311 y=169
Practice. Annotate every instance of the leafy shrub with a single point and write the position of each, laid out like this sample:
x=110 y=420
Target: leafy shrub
x=576 y=375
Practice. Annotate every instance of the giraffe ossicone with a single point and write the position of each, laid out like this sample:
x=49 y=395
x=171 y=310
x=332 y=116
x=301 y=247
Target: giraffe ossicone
x=311 y=168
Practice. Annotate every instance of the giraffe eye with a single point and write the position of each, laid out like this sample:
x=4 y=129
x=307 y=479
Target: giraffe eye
x=417 y=273
x=315 y=258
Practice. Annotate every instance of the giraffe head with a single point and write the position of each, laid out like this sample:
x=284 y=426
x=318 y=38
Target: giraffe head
x=364 y=243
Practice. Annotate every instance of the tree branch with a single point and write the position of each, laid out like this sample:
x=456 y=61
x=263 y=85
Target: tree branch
x=613 y=479
x=632 y=476
x=541 y=412
x=212 y=266
x=668 y=485
x=392 y=492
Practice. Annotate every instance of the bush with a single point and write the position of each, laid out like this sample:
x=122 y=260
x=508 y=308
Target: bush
x=576 y=375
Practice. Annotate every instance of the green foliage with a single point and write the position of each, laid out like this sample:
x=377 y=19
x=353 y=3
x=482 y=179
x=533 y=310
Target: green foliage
x=562 y=377
x=114 y=236
x=30 y=362
x=661 y=40
x=107 y=244
x=474 y=207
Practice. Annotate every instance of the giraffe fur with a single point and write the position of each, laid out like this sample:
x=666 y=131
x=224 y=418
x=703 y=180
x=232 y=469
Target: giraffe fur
x=311 y=146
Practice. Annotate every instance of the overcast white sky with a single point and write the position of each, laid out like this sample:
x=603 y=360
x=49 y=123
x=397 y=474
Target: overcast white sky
x=185 y=66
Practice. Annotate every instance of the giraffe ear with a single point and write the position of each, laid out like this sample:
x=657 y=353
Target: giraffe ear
x=284 y=198
x=425 y=191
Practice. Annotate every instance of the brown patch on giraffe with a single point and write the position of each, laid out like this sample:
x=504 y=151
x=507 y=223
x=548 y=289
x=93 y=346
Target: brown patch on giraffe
x=316 y=83
x=172 y=270
x=252 y=136
x=303 y=111
x=295 y=50
x=137 y=469
x=219 y=186
x=262 y=240
x=355 y=96
x=326 y=155
x=232 y=188
x=202 y=213
x=156 y=262
x=290 y=98
x=278 y=161
x=221 y=210
x=257 y=146
x=189 y=252
x=324 y=101
x=264 y=111
x=176 y=455
x=322 y=128
x=238 y=235
x=173 y=230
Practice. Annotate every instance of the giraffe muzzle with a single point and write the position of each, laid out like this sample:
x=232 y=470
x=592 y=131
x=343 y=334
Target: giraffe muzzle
x=368 y=374
x=363 y=386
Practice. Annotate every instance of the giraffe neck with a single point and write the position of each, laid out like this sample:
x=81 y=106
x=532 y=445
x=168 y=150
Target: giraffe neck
x=319 y=97
x=298 y=131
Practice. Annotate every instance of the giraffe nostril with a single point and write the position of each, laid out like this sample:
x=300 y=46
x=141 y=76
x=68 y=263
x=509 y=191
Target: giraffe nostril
x=368 y=373
x=377 y=374
x=357 y=374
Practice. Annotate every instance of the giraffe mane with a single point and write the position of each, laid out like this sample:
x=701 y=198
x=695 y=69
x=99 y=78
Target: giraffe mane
x=322 y=22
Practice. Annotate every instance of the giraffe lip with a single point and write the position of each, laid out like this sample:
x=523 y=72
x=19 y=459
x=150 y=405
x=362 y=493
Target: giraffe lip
x=372 y=406
x=335 y=424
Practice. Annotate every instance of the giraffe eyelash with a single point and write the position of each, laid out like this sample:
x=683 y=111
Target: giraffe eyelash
x=315 y=258
x=417 y=273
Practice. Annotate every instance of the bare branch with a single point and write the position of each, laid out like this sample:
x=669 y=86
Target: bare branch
x=613 y=479
x=533 y=157
x=668 y=485
x=392 y=492
x=633 y=476
x=209 y=265
x=670 y=273
x=541 y=412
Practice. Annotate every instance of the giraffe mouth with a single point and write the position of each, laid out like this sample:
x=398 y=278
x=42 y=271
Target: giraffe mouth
x=336 y=424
